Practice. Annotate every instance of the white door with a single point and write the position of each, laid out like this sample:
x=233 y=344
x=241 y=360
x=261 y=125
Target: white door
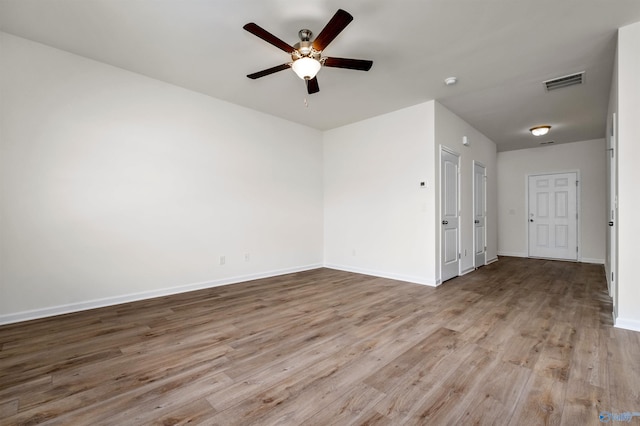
x=449 y=215
x=479 y=214
x=612 y=246
x=553 y=216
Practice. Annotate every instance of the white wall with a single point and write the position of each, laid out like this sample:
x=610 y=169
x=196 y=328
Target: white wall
x=450 y=130
x=628 y=174
x=115 y=186
x=377 y=218
x=589 y=157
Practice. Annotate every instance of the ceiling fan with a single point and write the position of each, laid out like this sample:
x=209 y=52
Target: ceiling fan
x=306 y=55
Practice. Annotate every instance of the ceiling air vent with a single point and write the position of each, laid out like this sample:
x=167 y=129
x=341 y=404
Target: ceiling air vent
x=566 y=81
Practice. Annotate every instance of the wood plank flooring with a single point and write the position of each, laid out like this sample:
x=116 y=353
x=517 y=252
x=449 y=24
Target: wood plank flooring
x=518 y=342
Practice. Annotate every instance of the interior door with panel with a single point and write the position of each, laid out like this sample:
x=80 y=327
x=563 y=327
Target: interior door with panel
x=449 y=215
x=479 y=214
x=553 y=216
x=612 y=246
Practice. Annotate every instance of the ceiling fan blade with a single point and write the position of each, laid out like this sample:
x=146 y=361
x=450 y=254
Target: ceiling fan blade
x=352 y=64
x=268 y=37
x=312 y=86
x=269 y=71
x=338 y=23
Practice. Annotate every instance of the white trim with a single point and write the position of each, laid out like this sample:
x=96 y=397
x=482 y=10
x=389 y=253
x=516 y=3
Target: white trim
x=520 y=254
x=513 y=253
x=382 y=274
x=589 y=260
x=116 y=300
x=627 y=324
x=490 y=261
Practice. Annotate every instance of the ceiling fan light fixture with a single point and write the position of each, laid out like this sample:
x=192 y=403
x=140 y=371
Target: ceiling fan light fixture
x=306 y=68
x=540 y=130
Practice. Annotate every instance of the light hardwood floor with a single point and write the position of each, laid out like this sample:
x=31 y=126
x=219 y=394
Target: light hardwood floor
x=519 y=342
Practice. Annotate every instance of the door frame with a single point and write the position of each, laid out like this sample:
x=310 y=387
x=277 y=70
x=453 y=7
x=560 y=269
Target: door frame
x=578 y=209
x=473 y=200
x=448 y=150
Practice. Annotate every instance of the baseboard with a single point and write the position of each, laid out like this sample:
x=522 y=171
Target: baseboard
x=513 y=254
x=589 y=260
x=133 y=297
x=627 y=324
x=495 y=259
x=382 y=274
x=521 y=254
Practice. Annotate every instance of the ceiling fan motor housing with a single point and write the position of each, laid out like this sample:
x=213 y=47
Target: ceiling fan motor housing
x=304 y=48
x=305 y=34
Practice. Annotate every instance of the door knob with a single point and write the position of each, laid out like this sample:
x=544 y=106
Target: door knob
x=530 y=220
x=476 y=221
x=610 y=223
x=444 y=222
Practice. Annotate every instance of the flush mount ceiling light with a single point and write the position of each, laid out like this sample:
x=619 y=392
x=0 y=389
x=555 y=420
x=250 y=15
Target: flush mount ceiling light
x=540 y=130
x=449 y=81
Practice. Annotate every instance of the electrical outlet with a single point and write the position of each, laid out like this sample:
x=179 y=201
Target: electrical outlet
x=247 y=257
x=222 y=260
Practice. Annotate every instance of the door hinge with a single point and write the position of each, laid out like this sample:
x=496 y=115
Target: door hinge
x=459 y=256
x=576 y=183
x=576 y=249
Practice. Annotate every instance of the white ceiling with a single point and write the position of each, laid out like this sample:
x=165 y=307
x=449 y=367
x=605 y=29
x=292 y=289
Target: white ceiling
x=500 y=51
